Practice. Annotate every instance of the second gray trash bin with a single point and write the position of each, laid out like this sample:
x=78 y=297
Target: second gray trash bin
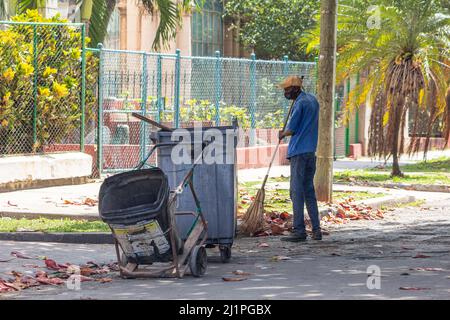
x=215 y=184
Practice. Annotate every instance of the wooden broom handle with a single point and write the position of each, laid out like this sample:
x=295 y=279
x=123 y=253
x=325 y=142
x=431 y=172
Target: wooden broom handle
x=278 y=145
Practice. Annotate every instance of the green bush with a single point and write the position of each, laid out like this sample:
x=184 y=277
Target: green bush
x=56 y=82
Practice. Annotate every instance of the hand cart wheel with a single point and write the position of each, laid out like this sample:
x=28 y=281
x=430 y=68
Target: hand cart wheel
x=225 y=253
x=198 y=261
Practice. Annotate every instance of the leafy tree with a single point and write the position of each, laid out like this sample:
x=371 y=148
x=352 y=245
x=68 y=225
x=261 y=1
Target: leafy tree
x=272 y=27
x=97 y=13
x=403 y=47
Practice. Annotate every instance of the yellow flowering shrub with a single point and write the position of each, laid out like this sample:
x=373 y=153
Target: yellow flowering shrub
x=52 y=76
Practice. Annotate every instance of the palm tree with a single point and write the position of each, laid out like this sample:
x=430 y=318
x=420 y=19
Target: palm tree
x=403 y=47
x=96 y=15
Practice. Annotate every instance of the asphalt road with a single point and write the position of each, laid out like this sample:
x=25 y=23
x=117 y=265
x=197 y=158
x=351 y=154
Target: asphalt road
x=334 y=268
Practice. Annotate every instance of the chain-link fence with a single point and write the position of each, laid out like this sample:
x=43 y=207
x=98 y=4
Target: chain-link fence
x=182 y=91
x=42 y=87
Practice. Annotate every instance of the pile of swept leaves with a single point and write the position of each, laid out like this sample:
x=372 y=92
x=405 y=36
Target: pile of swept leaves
x=280 y=223
x=55 y=274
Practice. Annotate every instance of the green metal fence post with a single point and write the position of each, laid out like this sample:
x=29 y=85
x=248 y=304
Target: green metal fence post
x=218 y=87
x=347 y=127
x=83 y=86
x=144 y=105
x=176 y=118
x=252 y=98
x=285 y=74
x=357 y=115
x=158 y=87
x=100 y=111
x=35 y=85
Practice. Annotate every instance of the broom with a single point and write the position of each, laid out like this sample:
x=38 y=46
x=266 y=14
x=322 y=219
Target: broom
x=253 y=219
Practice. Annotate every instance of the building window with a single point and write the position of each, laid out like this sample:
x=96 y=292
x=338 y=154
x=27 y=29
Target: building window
x=207 y=29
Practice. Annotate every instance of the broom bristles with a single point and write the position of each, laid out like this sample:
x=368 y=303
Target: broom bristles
x=253 y=219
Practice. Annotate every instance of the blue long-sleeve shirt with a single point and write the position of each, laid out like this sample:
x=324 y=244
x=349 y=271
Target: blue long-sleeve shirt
x=304 y=123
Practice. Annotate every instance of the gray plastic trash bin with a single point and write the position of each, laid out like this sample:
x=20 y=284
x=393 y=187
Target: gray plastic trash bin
x=215 y=185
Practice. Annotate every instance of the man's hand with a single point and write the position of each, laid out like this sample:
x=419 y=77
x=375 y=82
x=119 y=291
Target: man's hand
x=282 y=134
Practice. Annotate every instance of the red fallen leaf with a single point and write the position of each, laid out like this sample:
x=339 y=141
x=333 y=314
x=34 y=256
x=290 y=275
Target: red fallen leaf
x=51 y=264
x=233 y=279
x=7 y=286
x=276 y=229
x=285 y=215
x=84 y=278
x=50 y=281
x=414 y=288
x=90 y=202
x=29 y=281
x=421 y=256
x=86 y=271
x=340 y=215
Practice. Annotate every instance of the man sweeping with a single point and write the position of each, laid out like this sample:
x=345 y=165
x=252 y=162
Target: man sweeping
x=303 y=130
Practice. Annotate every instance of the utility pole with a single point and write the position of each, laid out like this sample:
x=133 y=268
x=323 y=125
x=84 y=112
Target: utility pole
x=325 y=94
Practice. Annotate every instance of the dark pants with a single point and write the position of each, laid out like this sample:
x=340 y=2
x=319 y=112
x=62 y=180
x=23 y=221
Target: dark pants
x=303 y=168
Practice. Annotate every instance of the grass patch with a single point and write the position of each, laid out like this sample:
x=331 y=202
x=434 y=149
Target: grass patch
x=416 y=203
x=51 y=225
x=370 y=176
x=441 y=164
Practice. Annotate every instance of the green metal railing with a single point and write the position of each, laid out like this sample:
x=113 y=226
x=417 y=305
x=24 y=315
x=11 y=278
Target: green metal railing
x=182 y=90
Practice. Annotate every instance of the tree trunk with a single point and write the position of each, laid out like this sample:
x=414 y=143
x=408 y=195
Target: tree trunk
x=325 y=94
x=396 y=131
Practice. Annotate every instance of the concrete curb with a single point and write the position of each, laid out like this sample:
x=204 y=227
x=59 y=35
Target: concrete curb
x=69 y=237
x=31 y=215
x=405 y=186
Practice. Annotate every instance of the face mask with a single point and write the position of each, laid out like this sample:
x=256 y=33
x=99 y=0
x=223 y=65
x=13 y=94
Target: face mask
x=292 y=93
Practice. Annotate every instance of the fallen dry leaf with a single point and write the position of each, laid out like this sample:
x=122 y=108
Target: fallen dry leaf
x=104 y=280
x=421 y=256
x=280 y=258
x=427 y=269
x=20 y=255
x=263 y=245
x=51 y=264
x=241 y=273
x=414 y=288
x=12 y=204
x=233 y=279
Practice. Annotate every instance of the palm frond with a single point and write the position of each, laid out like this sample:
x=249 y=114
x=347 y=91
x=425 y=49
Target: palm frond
x=101 y=15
